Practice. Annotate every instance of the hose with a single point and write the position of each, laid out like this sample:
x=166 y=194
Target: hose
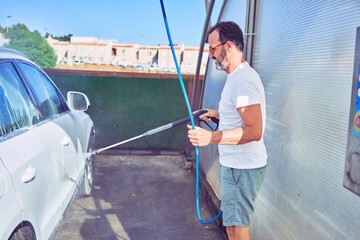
x=191 y=120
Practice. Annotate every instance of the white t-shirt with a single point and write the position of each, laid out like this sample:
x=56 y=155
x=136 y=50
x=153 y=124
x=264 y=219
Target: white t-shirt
x=243 y=87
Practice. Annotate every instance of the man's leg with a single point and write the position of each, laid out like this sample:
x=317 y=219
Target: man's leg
x=239 y=188
x=238 y=233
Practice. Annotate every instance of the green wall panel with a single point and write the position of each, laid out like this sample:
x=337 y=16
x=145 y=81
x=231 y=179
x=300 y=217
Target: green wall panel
x=123 y=108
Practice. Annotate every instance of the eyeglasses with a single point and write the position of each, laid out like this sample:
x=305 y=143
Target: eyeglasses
x=212 y=49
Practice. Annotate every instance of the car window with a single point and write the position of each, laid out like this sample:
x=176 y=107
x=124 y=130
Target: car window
x=46 y=94
x=16 y=108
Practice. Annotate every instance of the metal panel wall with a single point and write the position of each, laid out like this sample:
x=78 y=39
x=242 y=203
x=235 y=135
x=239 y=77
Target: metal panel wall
x=304 y=53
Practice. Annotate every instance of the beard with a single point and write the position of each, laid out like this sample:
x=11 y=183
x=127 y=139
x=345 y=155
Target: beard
x=221 y=62
x=219 y=66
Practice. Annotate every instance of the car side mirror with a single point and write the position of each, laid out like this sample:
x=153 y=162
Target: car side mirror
x=77 y=101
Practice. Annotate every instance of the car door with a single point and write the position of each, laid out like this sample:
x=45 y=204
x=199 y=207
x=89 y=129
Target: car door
x=8 y=197
x=61 y=133
x=36 y=178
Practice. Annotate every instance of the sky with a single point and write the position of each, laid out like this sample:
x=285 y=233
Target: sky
x=127 y=21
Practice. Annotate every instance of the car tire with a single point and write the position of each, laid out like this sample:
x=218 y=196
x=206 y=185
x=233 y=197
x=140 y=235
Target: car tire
x=86 y=184
x=23 y=233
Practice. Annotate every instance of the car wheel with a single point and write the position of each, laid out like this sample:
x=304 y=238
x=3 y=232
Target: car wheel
x=87 y=181
x=23 y=233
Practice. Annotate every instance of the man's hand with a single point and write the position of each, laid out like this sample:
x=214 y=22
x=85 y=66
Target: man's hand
x=199 y=137
x=211 y=113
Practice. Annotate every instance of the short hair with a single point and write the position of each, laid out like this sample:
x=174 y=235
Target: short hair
x=229 y=31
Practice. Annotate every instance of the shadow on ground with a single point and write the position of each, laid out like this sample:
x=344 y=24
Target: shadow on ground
x=139 y=198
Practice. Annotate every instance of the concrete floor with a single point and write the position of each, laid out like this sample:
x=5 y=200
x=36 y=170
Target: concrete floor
x=139 y=197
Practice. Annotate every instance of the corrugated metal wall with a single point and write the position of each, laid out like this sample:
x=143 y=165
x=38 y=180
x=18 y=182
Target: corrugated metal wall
x=304 y=53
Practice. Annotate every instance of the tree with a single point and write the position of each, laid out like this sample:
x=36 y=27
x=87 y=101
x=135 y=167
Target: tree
x=32 y=44
x=65 y=38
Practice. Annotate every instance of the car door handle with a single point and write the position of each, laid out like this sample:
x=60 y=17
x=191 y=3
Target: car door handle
x=65 y=141
x=28 y=175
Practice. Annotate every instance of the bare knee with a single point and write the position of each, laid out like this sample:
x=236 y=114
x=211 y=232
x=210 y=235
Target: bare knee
x=238 y=233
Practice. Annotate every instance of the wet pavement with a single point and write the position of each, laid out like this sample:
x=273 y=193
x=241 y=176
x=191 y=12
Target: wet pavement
x=139 y=197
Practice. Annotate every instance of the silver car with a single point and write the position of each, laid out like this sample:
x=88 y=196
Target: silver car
x=45 y=149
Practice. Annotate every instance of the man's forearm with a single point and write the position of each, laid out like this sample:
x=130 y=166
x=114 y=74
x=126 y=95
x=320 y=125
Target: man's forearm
x=235 y=136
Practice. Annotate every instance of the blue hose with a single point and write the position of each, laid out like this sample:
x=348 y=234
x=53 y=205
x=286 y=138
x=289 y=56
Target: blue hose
x=191 y=119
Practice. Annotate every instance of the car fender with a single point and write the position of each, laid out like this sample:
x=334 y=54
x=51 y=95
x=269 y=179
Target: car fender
x=85 y=132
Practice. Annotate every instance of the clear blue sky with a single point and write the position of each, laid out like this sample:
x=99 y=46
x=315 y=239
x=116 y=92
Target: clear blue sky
x=127 y=21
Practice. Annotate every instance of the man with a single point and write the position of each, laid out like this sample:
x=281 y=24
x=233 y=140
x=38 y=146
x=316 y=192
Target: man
x=240 y=137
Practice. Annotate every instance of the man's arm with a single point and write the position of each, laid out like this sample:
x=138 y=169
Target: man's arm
x=250 y=131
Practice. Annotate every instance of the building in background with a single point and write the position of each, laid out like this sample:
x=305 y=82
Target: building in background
x=189 y=60
x=166 y=60
x=148 y=55
x=91 y=50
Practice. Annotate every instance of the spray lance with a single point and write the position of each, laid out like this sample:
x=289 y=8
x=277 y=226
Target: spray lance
x=158 y=129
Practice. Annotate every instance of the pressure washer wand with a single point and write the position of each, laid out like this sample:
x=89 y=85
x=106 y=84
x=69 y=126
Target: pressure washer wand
x=155 y=130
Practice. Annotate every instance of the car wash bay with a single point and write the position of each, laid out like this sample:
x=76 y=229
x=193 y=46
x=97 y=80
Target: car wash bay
x=144 y=189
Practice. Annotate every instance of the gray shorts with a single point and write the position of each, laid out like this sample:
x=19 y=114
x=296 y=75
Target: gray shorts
x=239 y=188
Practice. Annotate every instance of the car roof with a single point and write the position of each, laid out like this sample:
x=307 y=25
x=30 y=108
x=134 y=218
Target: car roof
x=10 y=53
